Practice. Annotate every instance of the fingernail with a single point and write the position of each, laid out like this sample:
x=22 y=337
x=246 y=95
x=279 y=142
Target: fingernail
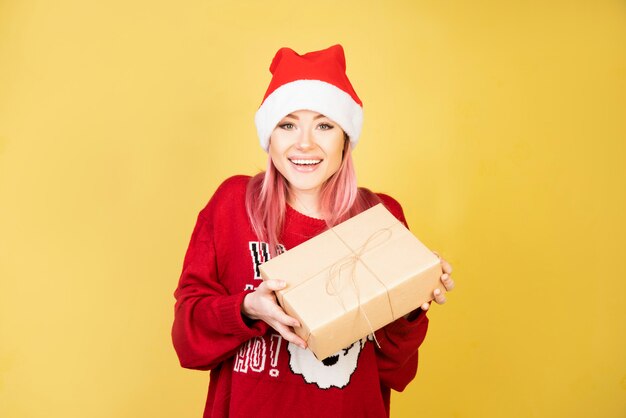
x=437 y=292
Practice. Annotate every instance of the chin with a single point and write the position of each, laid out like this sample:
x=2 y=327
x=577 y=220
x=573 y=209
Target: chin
x=303 y=184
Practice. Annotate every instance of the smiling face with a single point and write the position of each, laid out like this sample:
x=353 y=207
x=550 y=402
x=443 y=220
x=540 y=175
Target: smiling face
x=306 y=148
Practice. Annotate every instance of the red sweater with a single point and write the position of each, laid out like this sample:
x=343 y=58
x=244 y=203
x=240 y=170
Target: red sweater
x=254 y=371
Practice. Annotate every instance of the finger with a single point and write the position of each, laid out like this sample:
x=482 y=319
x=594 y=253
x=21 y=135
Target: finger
x=439 y=297
x=447 y=268
x=425 y=306
x=447 y=281
x=274 y=285
x=289 y=335
x=281 y=317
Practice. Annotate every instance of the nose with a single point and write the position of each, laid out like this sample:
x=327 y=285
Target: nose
x=305 y=140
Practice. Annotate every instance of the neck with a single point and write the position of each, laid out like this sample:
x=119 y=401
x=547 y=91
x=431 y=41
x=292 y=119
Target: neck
x=306 y=202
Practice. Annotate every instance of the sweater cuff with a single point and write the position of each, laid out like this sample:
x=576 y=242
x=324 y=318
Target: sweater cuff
x=415 y=315
x=232 y=318
x=415 y=319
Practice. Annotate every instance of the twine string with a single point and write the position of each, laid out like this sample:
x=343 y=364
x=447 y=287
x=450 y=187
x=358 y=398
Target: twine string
x=334 y=282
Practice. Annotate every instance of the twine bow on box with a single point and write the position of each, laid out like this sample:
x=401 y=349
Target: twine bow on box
x=334 y=283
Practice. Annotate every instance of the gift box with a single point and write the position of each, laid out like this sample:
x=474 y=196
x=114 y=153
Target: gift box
x=353 y=279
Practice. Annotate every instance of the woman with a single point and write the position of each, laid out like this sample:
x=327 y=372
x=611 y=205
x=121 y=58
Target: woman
x=227 y=319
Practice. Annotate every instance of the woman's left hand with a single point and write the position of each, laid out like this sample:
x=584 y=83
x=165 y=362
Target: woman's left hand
x=446 y=280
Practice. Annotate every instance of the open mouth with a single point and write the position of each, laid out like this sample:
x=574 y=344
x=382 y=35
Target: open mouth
x=305 y=163
x=331 y=361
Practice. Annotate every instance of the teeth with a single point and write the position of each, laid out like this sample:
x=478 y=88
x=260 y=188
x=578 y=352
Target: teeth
x=306 y=162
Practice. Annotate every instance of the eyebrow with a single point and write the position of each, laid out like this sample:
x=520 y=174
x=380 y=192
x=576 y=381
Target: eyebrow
x=297 y=118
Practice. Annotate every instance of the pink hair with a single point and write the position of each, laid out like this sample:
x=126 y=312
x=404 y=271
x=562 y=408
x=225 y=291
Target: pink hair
x=340 y=199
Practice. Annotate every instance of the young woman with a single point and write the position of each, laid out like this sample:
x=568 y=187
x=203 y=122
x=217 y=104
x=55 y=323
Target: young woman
x=227 y=319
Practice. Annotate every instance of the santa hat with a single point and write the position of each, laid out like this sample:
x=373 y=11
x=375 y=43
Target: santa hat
x=314 y=81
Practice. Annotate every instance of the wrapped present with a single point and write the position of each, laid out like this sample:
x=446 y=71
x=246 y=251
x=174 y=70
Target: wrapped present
x=354 y=279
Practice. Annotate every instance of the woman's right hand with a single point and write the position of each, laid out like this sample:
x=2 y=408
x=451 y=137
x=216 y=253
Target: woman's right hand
x=261 y=304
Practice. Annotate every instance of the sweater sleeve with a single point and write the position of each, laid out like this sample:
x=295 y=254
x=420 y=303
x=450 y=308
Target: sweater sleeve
x=400 y=340
x=208 y=325
x=398 y=353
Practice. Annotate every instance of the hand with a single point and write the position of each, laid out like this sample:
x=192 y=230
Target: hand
x=447 y=281
x=261 y=304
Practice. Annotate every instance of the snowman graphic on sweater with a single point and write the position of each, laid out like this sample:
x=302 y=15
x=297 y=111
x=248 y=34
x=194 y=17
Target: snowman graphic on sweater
x=333 y=371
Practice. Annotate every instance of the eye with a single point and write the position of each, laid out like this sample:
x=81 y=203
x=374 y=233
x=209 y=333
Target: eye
x=287 y=126
x=347 y=349
x=325 y=126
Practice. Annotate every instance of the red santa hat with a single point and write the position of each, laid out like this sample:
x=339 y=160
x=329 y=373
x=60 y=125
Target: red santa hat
x=314 y=81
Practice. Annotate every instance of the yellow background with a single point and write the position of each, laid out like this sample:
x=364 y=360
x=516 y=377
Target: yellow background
x=500 y=127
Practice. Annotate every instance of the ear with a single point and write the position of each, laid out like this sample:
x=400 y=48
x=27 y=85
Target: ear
x=279 y=56
x=364 y=340
x=346 y=145
x=338 y=55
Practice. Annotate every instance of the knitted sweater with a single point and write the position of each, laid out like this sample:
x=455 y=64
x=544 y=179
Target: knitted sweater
x=254 y=371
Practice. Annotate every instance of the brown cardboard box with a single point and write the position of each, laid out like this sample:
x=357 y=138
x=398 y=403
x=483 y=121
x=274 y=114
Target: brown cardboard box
x=353 y=279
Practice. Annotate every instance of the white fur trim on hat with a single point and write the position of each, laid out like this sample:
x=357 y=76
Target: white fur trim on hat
x=315 y=95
